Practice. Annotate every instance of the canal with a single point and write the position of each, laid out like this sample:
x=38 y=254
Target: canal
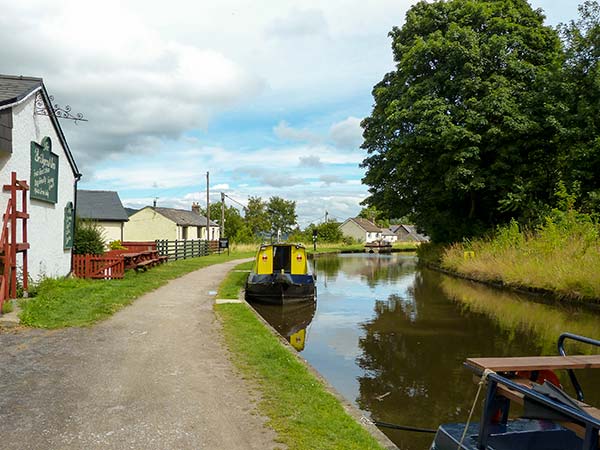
x=391 y=337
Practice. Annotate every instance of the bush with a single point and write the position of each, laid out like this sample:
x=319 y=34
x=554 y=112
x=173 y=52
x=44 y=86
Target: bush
x=88 y=239
x=7 y=307
x=116 y=245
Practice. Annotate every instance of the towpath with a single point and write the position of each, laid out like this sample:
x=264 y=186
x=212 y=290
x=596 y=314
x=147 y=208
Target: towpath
x=156 y=375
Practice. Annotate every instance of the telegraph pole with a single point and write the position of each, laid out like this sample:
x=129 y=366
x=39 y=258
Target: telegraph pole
x=207 y=208
x=222 y=214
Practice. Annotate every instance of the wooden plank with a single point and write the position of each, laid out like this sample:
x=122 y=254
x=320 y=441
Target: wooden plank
x=535 y=363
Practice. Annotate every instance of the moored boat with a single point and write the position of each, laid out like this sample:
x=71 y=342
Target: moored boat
x=551 y=418
x=378 y=247
x=281 y=275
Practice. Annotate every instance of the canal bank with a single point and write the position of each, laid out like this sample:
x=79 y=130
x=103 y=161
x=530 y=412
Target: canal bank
x=432 y=257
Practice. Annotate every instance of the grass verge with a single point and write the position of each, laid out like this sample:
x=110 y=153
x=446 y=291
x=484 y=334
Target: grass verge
x=79 y=302
x=234 y=281
x=304 y=415
x=559 y=257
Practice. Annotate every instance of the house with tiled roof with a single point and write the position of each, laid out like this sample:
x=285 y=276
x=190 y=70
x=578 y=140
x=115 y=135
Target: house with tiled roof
x=34 y=147
x=408 y=233
x=104 y=208
x=152 y=223
x=361 y=229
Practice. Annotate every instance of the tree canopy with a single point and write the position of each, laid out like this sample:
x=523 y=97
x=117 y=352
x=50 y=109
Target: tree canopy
x=472 y=129
x=582 y=80
x=281 y=215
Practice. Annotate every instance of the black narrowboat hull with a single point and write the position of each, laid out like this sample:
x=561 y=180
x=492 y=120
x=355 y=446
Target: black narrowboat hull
x=280 y=289
x=519 y=434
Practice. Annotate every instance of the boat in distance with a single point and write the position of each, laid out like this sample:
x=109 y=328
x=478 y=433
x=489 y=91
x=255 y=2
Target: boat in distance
x=281 y=275
x=550 y=419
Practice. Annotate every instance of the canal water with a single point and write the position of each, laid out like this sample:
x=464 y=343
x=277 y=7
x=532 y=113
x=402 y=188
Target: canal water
x=391 y=337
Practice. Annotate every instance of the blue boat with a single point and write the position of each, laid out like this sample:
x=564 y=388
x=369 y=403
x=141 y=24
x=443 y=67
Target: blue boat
x=551 y=419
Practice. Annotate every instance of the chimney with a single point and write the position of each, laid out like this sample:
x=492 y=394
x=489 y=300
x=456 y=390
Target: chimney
x=196 y=208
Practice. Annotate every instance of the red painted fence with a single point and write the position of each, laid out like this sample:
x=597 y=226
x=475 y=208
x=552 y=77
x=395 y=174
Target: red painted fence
x=98 y=266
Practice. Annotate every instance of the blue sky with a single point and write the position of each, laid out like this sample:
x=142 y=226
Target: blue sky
x=266 y=96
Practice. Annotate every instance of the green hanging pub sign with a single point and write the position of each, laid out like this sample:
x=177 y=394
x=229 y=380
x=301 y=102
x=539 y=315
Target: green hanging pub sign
x=44 y=172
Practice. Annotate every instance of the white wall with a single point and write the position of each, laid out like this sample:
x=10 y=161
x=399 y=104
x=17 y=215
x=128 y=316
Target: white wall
x=45 y=226
x=148 y=225
x=111 y=231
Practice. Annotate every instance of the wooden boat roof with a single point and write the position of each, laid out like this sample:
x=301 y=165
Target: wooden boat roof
x=283 y=244
x=535 y=363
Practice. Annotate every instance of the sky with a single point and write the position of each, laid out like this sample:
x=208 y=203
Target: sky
x=267 y=96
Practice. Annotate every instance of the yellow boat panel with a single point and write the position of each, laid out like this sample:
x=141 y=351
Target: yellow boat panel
x=264 y=260
x=298 y=255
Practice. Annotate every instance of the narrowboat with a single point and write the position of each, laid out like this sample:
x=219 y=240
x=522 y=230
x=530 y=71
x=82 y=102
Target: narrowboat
x=550 y=419
x=281 y=275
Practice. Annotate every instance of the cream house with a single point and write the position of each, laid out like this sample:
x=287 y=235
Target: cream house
x=33 y=145
x=104 y=208
x=152 y=223
x=363 y=230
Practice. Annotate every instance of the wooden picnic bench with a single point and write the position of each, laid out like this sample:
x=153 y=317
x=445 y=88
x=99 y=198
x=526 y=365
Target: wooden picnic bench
x=143 y=260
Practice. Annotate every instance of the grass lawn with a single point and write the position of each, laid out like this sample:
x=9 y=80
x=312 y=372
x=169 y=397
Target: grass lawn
x=69 y=302
x=235 y=280
x=301 y=411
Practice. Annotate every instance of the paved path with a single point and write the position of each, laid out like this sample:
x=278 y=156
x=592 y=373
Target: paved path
x=154 y=376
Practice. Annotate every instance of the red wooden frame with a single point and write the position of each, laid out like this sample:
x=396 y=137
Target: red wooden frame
x=9 y=247
x=99 y=266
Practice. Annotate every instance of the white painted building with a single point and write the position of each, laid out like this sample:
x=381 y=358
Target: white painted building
x=30 y=132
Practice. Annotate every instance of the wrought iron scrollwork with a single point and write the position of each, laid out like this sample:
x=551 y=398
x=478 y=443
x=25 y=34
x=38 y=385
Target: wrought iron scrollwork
x=60 y=112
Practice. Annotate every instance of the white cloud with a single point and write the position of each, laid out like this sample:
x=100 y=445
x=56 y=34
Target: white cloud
x=331 y=179
x=130 y=82
x=284 y=131
x=310 y=161
x=347 y=133
x=298 y=23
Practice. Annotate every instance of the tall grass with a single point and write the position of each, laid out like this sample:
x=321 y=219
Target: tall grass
x=562 y=255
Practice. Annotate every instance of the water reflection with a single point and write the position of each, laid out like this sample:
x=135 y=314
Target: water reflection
x=290 y=321
x=392 y=338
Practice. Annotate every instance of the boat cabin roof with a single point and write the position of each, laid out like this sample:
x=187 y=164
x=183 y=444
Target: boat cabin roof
x=283 y=244
x=534 y=363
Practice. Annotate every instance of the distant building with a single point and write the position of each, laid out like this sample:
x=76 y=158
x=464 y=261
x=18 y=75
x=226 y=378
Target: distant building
x=363 y=230
x=152 y=223
x=408 y=233
x=388 y=235
x=33 y=145
x=104 y=208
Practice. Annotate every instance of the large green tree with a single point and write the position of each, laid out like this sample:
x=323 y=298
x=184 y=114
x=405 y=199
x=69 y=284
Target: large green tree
x=281 y=214
x=235 y=226
x=463 y=133
x=256 y=216
x=582 y=78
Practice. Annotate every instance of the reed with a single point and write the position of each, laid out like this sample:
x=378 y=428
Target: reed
x=562 y=256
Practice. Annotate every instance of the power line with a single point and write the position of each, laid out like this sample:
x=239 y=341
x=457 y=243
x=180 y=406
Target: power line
x=234 y=200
